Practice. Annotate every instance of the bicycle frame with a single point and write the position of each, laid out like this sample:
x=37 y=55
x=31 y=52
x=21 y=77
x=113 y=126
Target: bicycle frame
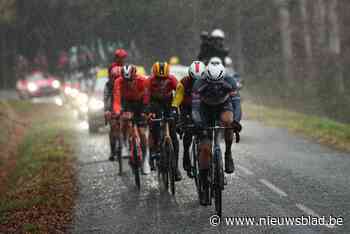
x=135 y=150
x=166 y=163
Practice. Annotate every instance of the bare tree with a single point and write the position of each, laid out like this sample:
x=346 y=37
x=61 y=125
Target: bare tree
x=307 y=38
x=286 y=40
x=335 y=43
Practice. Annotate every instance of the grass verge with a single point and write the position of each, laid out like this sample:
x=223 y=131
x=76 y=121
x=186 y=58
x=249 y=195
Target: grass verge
x=39 y=190
x=325 y=131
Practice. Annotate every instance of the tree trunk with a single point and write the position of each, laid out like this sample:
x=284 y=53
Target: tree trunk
x=286 y=40
x=3 y=73
x=238 y=39
x=335 y=44
x=307 y=39
x=320 y=14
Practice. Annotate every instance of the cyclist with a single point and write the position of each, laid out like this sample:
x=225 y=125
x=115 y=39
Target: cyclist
x=130 y=91
x=114 y=71
x=210 y=103
x=160 y=95
x=235 y=96
x=183 y=101
x=218 y=48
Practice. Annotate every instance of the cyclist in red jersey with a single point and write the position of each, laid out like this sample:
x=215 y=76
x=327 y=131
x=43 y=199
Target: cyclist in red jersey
x=161 y=87
x=129 y=95
x=114 y=71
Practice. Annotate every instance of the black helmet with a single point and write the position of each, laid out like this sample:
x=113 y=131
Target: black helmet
x=204 y=34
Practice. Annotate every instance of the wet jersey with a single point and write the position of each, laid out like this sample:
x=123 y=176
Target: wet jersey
x=160 y=90
x=129 y=91
x=183 y=96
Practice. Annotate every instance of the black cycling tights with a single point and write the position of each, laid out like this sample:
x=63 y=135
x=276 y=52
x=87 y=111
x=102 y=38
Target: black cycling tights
x=187 y=140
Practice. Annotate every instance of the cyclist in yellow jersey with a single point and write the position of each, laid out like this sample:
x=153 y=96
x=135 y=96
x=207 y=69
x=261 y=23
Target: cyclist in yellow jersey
x=183 y=101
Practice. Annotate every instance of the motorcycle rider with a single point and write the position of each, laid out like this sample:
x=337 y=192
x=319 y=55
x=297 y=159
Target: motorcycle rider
x=114 y=71
x=210 y=103
x=160 y=95
x=212 y=46
x=205 y=47
x=218 y=49
x=129 y=93
x=183 y=101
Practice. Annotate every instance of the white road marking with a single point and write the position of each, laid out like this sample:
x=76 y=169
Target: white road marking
x=245 y=170
x=273 y=187
x=310 y=212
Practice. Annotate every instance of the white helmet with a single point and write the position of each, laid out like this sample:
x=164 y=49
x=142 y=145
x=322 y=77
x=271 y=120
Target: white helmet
x=196 y=70
x=215 y=61
x=228 y=61
x=128 y=71
x=215 y=72
x=218 y=33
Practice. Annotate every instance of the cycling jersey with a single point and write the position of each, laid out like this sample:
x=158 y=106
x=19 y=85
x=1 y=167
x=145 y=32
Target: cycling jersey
x=113 y=70
x=125 y=92
x=211 y=98
x=160 y=90
x=183 y=96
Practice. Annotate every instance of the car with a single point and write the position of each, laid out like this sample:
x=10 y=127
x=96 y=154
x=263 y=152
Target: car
x=95 y=111
x=38 y=84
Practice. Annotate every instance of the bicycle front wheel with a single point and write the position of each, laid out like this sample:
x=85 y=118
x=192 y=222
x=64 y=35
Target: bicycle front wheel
x=135 y=160
x=195 y=166
x=120 y=158
x=164 y=167
x=172 y=167
x=218 y=184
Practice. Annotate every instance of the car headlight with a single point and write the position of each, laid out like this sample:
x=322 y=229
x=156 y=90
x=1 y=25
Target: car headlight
x=74 y=93
x=56 y=84
x=32 y=87
x=67 y=90
x=82 y=98
x=95 y=104
x=58 y=101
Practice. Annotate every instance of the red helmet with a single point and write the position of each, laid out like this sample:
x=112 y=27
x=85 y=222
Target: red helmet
x=120 y=53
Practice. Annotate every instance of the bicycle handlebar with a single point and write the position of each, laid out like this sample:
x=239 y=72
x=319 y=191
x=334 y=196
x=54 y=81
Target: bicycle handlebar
x=197 y=128
x=162 y=119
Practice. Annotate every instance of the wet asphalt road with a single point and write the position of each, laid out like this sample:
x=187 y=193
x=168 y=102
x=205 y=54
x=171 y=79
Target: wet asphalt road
x=278 y=175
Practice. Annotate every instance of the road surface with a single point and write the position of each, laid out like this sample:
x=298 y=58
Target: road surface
x=278 y=175
x=8 y=94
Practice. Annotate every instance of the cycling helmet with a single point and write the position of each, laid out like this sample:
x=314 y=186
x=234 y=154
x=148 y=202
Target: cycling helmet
x=160 y=69
x=218 y=33
x=196 y=70
x=128 y=72
x=120 y=53
x=215 y=72
x=204 y=34
x=228 y=61
x=215 y=61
